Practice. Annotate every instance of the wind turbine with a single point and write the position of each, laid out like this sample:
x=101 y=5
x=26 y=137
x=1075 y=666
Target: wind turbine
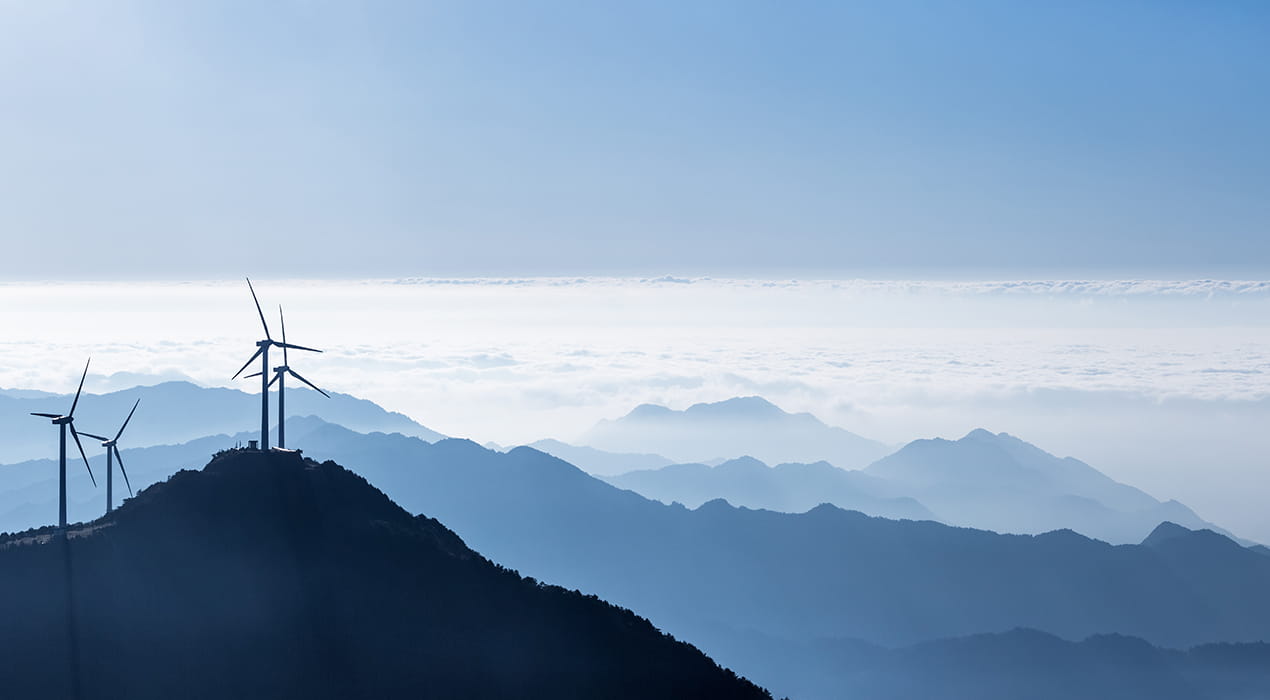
x=112 y=446
x=68 y=421
x=262 y=351
x=280 y=376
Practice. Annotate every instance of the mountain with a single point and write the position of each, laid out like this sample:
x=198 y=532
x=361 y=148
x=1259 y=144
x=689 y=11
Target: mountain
x=823 y=573
x=733 y=428
x=174 y=412
x=789 y=488
x=999 y=482
x=268 y=575
x=726 y=578
x=599 y=462
x=28 y=490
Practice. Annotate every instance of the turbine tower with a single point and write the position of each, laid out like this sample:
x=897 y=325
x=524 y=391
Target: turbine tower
x=280 y=376
x=112 y=446
x=262 y=351
x=68 y=421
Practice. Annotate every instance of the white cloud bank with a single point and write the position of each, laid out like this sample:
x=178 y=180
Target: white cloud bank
x=1165 y=384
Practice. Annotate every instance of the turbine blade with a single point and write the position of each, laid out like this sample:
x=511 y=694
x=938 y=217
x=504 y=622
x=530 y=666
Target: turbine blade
x=253 y=374
x=297 y=376
x=248 y=363
x=262 y=313
x=81 y=388
x=296 y=347
x=46 y=415
x=275 y=379
x=123 y=471
x=283 y=321
x=95 y=437
x=125 y=420
x=81 y=454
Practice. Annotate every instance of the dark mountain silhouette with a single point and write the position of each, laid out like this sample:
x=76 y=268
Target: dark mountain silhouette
x=267 y=575
x=725 y=578
x=174 y=412
x=1001 y=483
x=733 y=428
x=789 y=488
x=28 y=490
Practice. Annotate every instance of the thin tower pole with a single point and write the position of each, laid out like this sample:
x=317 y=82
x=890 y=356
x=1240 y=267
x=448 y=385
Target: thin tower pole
x=282 y=414
x=61 y=479
x=264 y=398
x=109 y=471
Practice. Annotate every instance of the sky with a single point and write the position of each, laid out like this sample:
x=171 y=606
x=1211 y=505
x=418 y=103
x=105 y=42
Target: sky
x=985 y=139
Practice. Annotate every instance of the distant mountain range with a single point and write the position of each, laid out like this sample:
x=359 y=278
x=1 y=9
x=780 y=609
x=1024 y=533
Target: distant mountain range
x=174 y=412
x=985 y=481
x=266 y=575
x=732 y=428
x=824 y=573
x=1001 y=483
x=594 y=461
x=732 y=580
x=789 y=488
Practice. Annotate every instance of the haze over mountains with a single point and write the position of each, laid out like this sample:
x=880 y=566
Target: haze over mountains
x=999 y=482
x=174 y=412
x=733 y=428
x=789 y=488
x=985 y=481
x=266 y=575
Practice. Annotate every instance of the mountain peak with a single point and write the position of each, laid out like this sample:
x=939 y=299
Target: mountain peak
x=980 y=434
x=738 y=407
x=743 y=463
x=744 y=425
x=206 y=576
x=266 y=490
x=1165 y=532
x=649 y=410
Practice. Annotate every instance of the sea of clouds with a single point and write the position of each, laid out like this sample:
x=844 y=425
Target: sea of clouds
x=1165 y=384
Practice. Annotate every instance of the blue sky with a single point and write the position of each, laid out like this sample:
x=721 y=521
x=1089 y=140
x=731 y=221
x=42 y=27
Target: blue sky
x=941 y=139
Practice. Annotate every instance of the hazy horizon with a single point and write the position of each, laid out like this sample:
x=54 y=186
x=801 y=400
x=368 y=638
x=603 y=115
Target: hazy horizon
x=1159 y=384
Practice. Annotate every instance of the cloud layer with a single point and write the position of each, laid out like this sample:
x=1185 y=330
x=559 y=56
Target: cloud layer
x=1076 y=366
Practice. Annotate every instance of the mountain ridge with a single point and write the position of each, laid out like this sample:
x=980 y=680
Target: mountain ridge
x=177 y=411
x=731 y=428
x=268 y=573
